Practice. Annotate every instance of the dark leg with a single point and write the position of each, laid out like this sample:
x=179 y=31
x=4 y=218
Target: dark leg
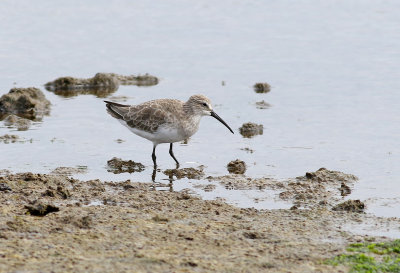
x=153 y=156
x=153 y=175
x=172 y=154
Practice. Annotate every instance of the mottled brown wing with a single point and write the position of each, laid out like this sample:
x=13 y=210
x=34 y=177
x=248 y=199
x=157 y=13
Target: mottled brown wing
x=147 y=116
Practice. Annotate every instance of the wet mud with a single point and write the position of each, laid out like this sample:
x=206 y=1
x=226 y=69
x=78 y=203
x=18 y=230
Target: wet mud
x=250 y=129
x=322 y=188
x=29 y=103
x=117 y=165
x=262 y=87
x=105 y=226
x=236 y=166
x=191 y=173
x=39 y=208
x=350 y=205
x=69 y=170
x=101 y=85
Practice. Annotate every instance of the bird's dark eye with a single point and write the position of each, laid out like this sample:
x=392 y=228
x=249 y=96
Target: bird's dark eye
x=205 y=104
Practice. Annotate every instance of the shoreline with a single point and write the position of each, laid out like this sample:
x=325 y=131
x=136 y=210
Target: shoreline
x=128 y=226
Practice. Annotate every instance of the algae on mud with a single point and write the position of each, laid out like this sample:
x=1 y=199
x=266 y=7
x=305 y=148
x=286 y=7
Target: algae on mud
x=115 y=226
x=370 y=257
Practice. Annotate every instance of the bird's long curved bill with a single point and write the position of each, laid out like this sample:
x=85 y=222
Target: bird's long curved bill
x=213 y=114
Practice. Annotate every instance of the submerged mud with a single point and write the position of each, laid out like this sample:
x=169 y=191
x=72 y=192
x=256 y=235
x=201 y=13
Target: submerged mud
x=9 y=138
x=126 y=226
x=262 y=105
x=13 y=121
x=101 y=85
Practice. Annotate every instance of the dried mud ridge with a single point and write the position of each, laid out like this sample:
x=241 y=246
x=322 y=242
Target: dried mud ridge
x=101 y=85
x=96 y=226
x=29 y=103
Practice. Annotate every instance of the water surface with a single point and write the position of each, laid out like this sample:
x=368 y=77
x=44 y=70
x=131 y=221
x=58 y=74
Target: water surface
x=333 y=66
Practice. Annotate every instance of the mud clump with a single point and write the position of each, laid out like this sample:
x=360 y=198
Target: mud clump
x=59 y=192
x=315 y=188
x=101 y=85
x=28 y=103
x=4 y=187
x=117 y=165
x=140 y=80
x=323 y=175
x=41 y=209
x=190 y=173
x=344 y=189
x=249 y=129
x=236 y=166
x=262 y=87
x=350 y=206
x=22 y=124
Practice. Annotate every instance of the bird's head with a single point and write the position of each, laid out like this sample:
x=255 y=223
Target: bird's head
x=201 y=105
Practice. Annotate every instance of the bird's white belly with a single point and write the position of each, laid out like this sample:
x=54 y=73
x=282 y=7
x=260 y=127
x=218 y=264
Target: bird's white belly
x=163 y=134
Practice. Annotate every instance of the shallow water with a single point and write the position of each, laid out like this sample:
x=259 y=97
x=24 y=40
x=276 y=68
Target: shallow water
x=333 y=66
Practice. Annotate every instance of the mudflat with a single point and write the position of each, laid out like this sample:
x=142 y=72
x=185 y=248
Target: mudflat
x=54 y=223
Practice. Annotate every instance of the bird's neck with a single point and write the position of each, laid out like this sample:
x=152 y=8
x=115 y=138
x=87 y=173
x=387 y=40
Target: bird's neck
x=187 y=109
x=191 y=121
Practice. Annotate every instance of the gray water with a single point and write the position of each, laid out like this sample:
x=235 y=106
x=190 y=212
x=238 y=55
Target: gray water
x=334 y=67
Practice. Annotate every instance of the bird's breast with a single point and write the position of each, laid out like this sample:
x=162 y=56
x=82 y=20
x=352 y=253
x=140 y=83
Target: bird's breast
x=190 y=126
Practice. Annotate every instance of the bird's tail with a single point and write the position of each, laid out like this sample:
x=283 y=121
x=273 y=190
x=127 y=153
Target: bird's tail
x=116 y=110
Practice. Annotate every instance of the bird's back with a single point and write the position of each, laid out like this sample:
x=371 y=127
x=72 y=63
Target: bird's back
x=148 y=116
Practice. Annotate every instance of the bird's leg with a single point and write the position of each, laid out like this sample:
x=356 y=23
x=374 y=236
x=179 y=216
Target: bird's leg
x=153 y=156
x=153 y=175
x=172 y=154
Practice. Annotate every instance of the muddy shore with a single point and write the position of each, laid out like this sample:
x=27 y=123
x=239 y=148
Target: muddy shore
x=100 y=226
